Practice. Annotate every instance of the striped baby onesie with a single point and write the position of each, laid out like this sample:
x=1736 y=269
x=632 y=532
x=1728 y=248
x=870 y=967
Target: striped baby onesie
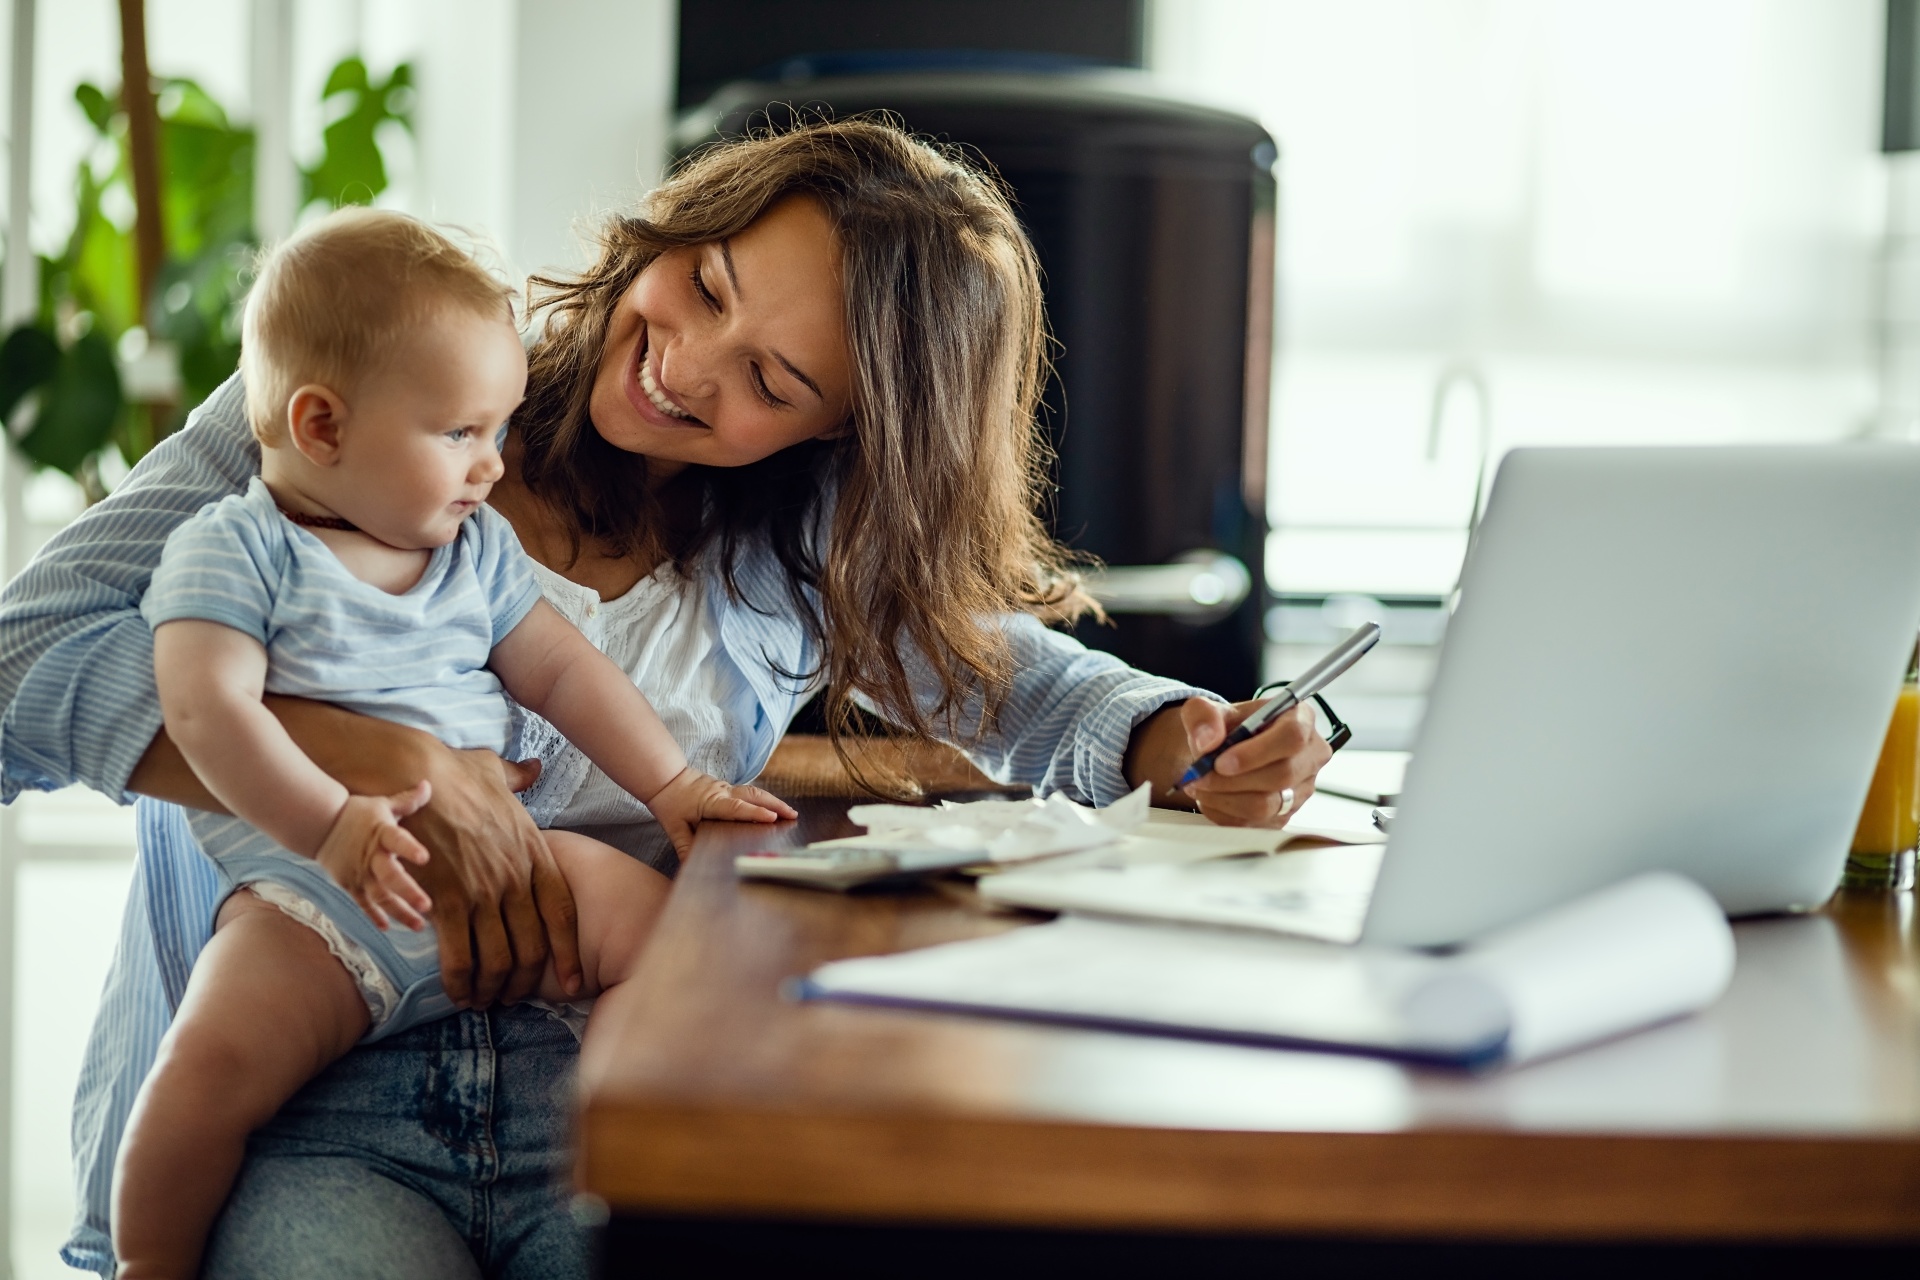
x=418 y=658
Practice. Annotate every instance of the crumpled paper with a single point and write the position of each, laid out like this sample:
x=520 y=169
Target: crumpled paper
x=999 y=830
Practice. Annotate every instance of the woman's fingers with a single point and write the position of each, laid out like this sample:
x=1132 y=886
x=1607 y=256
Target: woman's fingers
x=493 y=956
x=1249 y=783
x=455 y=937
x=557 y=916
x=520 y=774
x=1296 y=771
x=1281 y=740
x=1255 y=808
x=483 y=843
x=1206 y=723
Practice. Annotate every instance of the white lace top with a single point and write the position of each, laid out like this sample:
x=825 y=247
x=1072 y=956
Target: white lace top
x=664 y=637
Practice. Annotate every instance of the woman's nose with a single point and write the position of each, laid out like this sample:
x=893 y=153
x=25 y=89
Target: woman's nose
x=686 y=370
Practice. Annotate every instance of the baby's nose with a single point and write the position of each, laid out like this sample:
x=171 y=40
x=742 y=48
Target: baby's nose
x=488 y=467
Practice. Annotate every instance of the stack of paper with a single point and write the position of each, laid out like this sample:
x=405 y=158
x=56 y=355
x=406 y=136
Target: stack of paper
x=1651 y=948
x=904 y=842
x=1318 y=893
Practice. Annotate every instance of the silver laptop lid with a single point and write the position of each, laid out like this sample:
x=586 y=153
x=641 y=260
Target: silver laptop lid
x=1662 y=658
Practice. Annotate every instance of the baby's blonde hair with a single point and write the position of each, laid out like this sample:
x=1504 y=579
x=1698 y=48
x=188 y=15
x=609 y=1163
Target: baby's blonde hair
x=334 y=302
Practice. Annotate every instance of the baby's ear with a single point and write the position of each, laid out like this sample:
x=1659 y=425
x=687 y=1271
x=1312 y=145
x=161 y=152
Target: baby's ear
x=315 y=417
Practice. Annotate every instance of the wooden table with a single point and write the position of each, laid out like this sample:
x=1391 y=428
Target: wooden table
x=1790 y=1112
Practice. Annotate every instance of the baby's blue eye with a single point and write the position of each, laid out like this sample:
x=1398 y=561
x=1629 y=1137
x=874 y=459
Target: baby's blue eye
x=459 y=435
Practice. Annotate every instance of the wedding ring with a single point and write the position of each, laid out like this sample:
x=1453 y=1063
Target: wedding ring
x=1286 y=802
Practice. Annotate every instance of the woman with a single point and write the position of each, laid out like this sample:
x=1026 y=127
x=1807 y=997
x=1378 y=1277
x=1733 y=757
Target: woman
x=778 y=443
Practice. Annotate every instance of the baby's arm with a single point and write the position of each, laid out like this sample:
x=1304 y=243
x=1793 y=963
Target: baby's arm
x=548 y=666
x=211 y=678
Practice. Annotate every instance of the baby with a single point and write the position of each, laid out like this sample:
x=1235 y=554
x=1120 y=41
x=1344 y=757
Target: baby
x=362 y=569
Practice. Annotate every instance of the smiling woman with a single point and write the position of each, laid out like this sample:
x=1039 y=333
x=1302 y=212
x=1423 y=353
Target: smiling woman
x=842 y=340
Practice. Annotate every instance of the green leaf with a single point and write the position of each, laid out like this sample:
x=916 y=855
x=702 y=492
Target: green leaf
x=349 y=75
x=206 y=214
x=78 y=407
x=103 y=273
x=28 y=359
x=100 y=109
x=206 y=191
x=190 y=104
x=351 y=169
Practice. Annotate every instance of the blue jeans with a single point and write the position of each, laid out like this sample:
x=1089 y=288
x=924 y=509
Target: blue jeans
x=440 y=1152
x=436 y=1152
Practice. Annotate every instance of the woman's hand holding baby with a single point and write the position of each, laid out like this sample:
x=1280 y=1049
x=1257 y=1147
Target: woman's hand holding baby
x=501 y=908
x=692 y=797
x=364 y=851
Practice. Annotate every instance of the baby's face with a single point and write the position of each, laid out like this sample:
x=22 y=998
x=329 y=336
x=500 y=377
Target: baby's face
x=418 y=451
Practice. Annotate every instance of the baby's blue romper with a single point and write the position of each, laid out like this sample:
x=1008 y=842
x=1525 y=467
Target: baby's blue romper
x=418 y=658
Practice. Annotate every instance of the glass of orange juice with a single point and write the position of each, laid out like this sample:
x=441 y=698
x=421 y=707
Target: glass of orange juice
x=1883 y=843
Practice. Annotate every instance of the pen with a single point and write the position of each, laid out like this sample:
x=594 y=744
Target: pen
x=1311 y=681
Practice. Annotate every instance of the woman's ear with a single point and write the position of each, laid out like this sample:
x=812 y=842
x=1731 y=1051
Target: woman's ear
x=840 y=432
x=315 y=419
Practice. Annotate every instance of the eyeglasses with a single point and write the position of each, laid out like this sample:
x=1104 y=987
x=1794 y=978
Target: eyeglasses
x=1336 y=731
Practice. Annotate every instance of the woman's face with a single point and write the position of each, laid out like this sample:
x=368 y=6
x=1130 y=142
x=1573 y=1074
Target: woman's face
x=725 y=353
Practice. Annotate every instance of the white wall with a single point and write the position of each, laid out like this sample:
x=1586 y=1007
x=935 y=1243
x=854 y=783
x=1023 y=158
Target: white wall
x=593 y=108
x=535 y=114
x=1638 y=220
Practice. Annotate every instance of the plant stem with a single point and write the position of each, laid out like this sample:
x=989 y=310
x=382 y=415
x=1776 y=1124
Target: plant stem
x=143 y=147
x=143 y=143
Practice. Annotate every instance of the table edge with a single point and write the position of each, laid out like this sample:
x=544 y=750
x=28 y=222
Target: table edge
x=1431 y=1183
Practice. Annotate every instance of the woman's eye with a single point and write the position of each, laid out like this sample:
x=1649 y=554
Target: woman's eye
x=766 y=392
x=700 y=287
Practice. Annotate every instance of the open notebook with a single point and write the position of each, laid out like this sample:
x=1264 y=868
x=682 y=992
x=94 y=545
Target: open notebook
x=1651 y=948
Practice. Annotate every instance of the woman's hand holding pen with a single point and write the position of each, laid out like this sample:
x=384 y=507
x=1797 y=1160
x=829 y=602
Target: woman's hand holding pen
x=1251 y=784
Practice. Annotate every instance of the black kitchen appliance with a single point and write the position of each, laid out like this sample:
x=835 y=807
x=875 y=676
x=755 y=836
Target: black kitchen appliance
x=1154 y=221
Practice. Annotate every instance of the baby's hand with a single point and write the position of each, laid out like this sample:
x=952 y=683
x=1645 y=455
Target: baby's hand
x=363 y=852
x=693 y=797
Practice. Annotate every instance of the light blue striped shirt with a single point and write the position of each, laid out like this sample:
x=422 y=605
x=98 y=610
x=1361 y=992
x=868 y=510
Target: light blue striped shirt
x=76 y=684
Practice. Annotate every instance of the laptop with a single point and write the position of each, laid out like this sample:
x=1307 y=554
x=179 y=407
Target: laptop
x=1663 y=658
x=1675 y=659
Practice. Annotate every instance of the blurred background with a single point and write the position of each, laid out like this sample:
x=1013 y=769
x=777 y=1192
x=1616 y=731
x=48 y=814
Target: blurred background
x=1320 y=263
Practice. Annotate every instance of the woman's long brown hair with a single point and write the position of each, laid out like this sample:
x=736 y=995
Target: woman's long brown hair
x=929 y=502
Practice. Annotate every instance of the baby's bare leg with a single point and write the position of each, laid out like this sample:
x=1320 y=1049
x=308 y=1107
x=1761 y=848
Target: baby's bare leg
x=267 y=1009
x=618 y=899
